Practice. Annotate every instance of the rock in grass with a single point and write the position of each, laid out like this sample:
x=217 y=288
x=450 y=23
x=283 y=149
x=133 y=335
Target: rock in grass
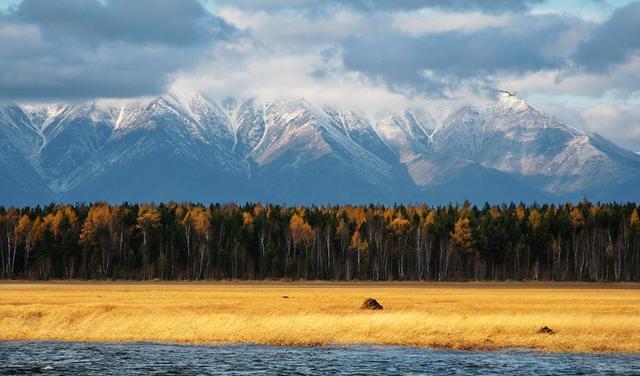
x=546 y=330
x=372 y=304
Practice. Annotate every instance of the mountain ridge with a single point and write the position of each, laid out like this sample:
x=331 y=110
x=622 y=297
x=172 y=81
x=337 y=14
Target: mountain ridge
x=186 y=146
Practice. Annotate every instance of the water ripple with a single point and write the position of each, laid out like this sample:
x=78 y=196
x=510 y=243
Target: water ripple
x=69 y=358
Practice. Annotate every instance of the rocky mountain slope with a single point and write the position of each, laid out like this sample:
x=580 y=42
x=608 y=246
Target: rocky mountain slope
x=189 y=147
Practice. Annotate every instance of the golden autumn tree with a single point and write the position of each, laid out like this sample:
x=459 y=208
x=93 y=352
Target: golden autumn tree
x=399 y=226
x=462 y=235
x=300 y=231
x=247 y=221
x=201 y=218
x=360 y=246
x=358 y=217
x=535 y=219
x=99 y=230
x=147 y=221
x=577 y=218
x=634 y=221
x=187 y=223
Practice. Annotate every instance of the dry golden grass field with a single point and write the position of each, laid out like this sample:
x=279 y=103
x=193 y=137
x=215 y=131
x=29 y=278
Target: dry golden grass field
x=584 y=317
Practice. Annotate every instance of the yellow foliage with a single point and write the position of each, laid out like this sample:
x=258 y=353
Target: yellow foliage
x=301 y=232
x=356 y=215
x=551 y=211
x=431 y=218
x=388 y=214
x=100 y=217
x=462 y=236
x=357 y=243
x=343 y=229
x=521 y=212
x=635 y=220
x=148 y=219
x=201 y=220
x=247 y=221
x=54 y=220
x=421 y=210
x=24 y=227
x=535 y=219
x=148 y=215
x=37 y=230
x=400 y=226
x=577 y=219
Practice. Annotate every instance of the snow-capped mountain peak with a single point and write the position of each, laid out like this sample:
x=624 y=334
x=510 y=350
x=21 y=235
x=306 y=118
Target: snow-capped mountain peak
x=188 y=146
x=511 y=103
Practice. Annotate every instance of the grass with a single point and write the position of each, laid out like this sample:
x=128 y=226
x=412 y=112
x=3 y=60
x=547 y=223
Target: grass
x=585 y=318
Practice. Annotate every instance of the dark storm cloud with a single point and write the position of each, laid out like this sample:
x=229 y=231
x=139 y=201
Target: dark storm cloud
x=167 y=22
x=434 y=62
x=383 y=5
x=79 y=49
x=613 y=42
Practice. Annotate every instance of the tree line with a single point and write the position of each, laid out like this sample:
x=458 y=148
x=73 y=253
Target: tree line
x=186 y=241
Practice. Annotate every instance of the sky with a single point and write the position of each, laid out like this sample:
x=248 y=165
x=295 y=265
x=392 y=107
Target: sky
x=577 y=60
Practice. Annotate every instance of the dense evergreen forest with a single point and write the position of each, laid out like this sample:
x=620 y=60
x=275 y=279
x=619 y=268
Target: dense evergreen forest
x=172 y=241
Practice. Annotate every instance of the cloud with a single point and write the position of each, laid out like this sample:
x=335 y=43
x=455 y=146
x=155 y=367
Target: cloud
x=621 y=81
x=620 y=124
x=297 y=30
x=269 y=74
x=85 y=49
x=614 y=42
x=435 y=62
x=426 y=21
x=373 y=6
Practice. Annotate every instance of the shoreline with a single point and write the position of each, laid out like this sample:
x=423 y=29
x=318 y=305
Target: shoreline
x=456 y=316
x=328 y=346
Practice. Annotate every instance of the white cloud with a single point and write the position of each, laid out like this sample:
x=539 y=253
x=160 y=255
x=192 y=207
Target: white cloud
x=433 y=21
x=296 y=29
x=623 y=79
x=620 y=124
x=267 y=75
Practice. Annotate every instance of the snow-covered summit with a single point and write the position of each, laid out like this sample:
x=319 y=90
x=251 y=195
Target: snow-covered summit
x=188 y=146
x=511 y=102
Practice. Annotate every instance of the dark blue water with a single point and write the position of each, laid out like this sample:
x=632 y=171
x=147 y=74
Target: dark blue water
x=60 y=358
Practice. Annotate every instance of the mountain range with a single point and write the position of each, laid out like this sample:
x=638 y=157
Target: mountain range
x=189 y=147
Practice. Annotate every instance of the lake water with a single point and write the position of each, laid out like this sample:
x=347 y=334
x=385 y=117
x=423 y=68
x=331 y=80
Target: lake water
x=60 y=358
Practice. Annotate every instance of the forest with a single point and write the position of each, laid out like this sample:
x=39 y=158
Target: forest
x=186 y=241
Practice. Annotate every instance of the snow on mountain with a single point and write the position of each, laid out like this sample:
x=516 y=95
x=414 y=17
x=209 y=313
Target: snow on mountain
x=250 y=126
x=186 y=146
x=17 y=128
x=20 y=183
x=174 y=146
x=360 y=130
x=515 y=138
x=308 y=150
x=71 y=135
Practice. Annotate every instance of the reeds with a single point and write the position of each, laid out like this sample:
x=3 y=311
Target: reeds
x=463 y=316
